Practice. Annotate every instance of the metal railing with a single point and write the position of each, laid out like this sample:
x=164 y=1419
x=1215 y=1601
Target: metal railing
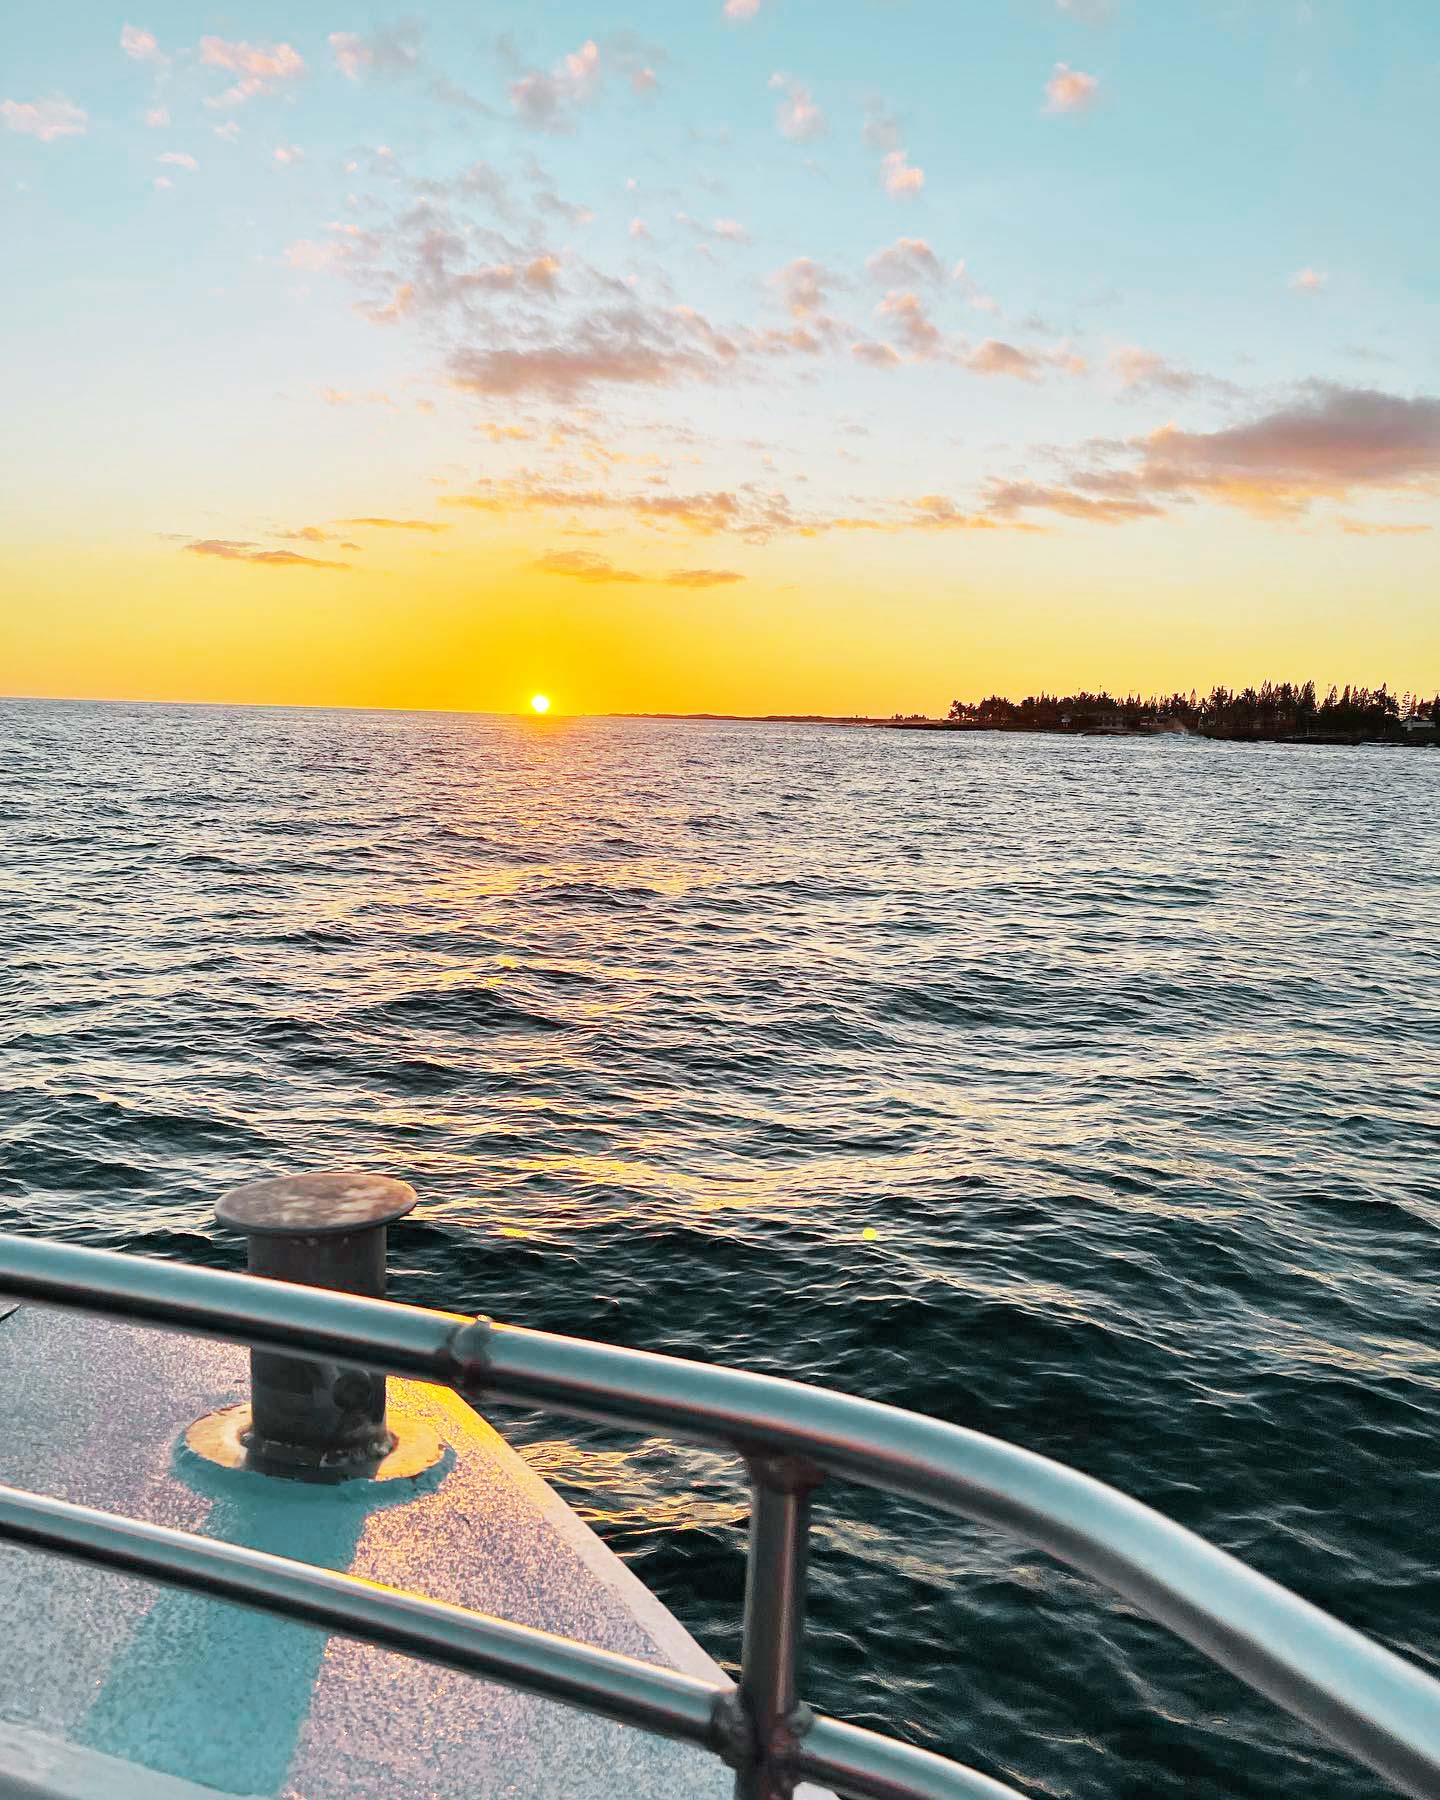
x=1365 y=1699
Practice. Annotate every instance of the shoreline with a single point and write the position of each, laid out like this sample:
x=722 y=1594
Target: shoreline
x=1342 y=740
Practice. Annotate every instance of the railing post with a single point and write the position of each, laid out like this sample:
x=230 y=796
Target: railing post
x=774 y=1631
x=315 y=1420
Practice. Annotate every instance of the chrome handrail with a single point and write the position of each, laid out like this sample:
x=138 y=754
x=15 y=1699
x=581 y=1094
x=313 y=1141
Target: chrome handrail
x=1365 y=1699
x=623 y=1688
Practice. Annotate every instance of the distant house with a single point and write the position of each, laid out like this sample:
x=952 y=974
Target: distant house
x=1418 y=730
x=1100 y=718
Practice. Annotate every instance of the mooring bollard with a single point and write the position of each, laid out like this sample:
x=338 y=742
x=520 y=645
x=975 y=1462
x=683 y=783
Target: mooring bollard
x=316 y=1421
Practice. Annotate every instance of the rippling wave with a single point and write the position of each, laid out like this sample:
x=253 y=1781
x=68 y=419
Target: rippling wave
x=1084 y=1092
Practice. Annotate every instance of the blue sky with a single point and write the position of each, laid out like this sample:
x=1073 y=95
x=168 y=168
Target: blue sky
x=1029 y=304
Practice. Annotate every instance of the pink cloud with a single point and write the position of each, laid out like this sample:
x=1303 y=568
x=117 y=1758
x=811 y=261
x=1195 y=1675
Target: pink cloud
x=920 y=336
x=1004 y=499
x=140 y=45
x=996 y=358
x=937 y=512
x=1329 y=444
x=178 y=159
x=304 y=253
x=352 y=54
x=566 y=371
x=1070 y=90
x=157 y=116
x=907 y=259
x=589 y=566
x=542 y=101
x=232 y=550
x=583 y=565
x=740 y=9
x=798 y=116
x=1308 y=281
x=802 y=285
x=393 y=52
x=900 y=178
x=262 y=68
x=878 y=355
x=44 y=119
x=702 y=578
x=1144 y=371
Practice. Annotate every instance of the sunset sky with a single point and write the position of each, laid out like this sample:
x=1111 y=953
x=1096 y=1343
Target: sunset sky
x=744 y=355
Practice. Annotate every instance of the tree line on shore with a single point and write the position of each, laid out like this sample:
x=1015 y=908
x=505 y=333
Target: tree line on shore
x=1275 y=709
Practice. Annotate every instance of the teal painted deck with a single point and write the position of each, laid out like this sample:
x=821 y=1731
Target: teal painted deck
x=99 y=1666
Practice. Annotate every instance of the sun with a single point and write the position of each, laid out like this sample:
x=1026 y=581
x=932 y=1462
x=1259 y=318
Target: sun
x=539 y=703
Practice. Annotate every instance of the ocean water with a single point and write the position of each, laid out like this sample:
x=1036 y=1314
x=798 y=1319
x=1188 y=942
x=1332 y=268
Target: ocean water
x=1083 y=1092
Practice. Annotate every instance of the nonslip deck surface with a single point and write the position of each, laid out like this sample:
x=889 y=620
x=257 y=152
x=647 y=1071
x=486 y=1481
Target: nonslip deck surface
x=212 y=1694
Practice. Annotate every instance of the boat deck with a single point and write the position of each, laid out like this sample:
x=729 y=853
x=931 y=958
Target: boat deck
x=101 y=1666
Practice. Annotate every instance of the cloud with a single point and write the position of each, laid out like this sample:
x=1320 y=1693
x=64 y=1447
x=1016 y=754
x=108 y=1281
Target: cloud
x=623 y=346
x=994 y=357
x=162 y=182
x=639 y=229
x=643 y=81
x=288 y=153
x=1372 y=528
x=400 y=303
x=974 y=293
x=231 y=550
x=1308 y=281
x=140 y=44
x=1329 y=443
x=586 y=565
x=802 y=286
x=702 y=578
x=352 y=54
x=382 y=524
x=747 y=512
x=937 y=512
x=583 y=565
x=178 y=159
x=732 y=229
x=394 y=52
x=878 y=355
x=44 y=119
x=898 y=177
x=906 y=311
x=1004 y=499
x=881 y=129
x=305 y=253
x=1070 y=90
x=262 y=68
x=310 y=534
x=157 y=116
x=541 y=101
x=541 y=272
x=798 y=116
x=907 y=259
x=740 y=9
x=1143 y=372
